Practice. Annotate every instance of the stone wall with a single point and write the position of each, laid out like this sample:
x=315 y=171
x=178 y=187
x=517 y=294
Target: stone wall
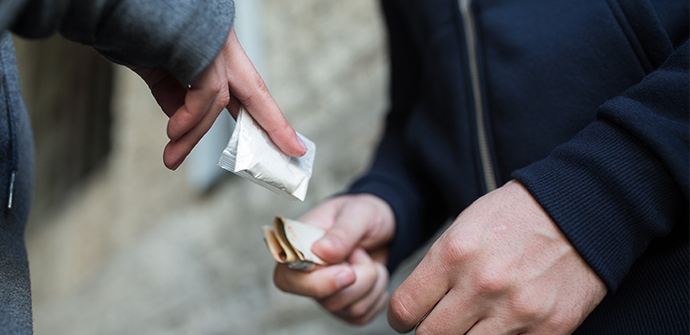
x=136 y=250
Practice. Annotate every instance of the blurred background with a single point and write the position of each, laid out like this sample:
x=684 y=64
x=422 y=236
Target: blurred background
x=120 y=245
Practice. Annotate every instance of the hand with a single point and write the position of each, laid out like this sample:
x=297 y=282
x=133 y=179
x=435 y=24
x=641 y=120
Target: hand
x=503 y=267
x=359 y=228
x=230 y=81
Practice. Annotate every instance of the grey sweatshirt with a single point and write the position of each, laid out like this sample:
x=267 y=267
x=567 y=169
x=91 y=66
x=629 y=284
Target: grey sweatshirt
x=181 y=36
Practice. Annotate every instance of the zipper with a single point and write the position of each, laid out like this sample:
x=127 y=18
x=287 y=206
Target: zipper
x=471 y=41
x=14 y=159
x=11 y=195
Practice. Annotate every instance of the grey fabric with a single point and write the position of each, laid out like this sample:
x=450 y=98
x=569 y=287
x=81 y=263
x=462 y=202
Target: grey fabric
x=181 y=36
x=16 y=154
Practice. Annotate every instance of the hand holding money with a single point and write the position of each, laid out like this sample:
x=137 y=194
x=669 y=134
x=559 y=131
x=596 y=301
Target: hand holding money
x=357 y=230
x=290 y=243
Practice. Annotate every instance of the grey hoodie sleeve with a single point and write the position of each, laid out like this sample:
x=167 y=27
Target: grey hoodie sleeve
x=181 y=36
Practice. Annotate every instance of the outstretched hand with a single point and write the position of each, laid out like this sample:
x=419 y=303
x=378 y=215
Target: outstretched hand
x=230 y=81
x=359 y=228
x=503 y=267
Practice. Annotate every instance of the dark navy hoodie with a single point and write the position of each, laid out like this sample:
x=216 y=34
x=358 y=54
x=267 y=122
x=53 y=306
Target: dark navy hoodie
x=584 y=102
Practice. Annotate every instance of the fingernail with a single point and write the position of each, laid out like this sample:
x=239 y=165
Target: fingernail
x=344 y=278
x=329 y=242
x=177 y=165
x=304 y=146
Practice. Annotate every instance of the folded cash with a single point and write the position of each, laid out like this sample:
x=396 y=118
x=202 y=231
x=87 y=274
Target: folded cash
x=290 y=242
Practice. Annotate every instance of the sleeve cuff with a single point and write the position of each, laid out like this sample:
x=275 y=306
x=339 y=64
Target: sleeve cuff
x=608 y=195
x=181 y=36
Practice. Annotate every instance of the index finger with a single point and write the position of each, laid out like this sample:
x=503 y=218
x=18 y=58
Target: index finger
x=358 y=222
x=248 y=87
x=418 y=294
x=320 y=283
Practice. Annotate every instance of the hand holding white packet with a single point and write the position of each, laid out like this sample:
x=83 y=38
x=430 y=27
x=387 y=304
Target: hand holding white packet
x=251 y=154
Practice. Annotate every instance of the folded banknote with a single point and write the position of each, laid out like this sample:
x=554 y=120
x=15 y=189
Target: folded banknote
x=290 y=242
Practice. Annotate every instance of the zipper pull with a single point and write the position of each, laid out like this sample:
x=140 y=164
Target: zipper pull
x=9 y=199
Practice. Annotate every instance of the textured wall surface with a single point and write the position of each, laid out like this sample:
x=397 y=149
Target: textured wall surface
x=67 y=89
x=136 y=250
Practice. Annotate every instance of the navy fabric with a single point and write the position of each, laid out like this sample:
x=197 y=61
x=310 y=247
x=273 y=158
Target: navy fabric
x=584 y=102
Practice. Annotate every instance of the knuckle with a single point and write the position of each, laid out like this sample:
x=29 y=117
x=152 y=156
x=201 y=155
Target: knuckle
x=181 y=121
x=280 y=127
x=249 y=99
x=261 y=85
x=280 y=281
x=456 y=248
x=564 y=321
x=492 y=281
x=330 y=305
x=223 y=98
x=527 y=308
x=423 y=329
x=181 y=118
x=260 y=91
x=358 y=310
x=318 y=291
x=152 y=78
x=398 y=308
x=256 y=94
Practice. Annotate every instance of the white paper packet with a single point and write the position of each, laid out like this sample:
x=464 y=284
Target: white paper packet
x=251 y=154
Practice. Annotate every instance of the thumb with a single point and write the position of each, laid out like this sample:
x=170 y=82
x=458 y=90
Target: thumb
x=353 y=224
x=332 y=248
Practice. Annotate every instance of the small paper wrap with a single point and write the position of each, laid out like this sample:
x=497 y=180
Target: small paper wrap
x=251 y=154
x=290 y=242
